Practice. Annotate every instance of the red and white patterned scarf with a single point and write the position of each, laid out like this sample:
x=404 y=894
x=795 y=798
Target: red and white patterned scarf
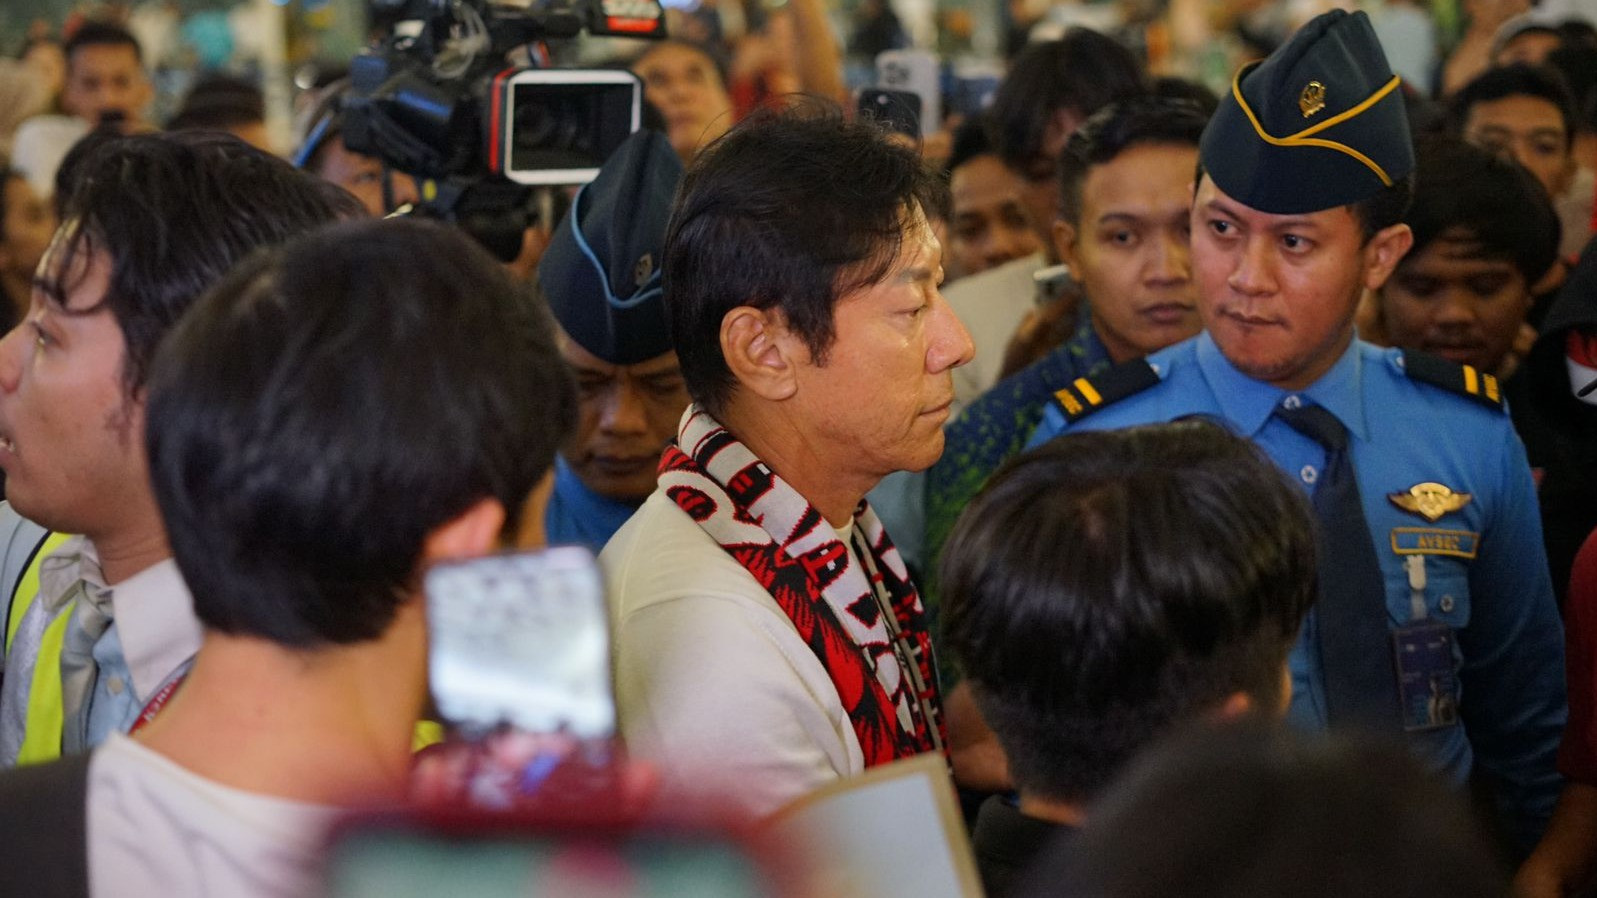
x=780 y=538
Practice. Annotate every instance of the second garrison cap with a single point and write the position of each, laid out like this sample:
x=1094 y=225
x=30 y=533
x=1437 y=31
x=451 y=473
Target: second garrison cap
x=1318 y=124
x=601 y=272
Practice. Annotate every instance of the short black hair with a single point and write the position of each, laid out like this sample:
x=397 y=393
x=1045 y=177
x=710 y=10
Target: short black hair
x=1185 y=89
x=1118 y=127
x=1518 y=80
x=1577 y=62
x=1108 y=585
x=219 y=102
x=101 y=34
x=1083 y=72
x=789 y=210
x=332 y=402
x=1503 y=210
x=1252 y=811
x=173 y=212
x=971 y=140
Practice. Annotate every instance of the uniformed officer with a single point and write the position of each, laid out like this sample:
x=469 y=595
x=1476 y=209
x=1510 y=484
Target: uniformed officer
x=601 y=276
x=1426 y=504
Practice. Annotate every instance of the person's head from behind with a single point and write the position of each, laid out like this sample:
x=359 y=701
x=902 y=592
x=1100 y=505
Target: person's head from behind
x=987 y=215
x=105 y=78
x=1485 y=233
x=1288 y=235
x=26 y=223
x=1124 y=225
x=1524 y=112
x=340 y=409
x=224 y=103
x=601 y=275
x=801 y=282
x=1049 y=91
x=1252 y=811
x=687 y=85
x=1108 y=586
x=154 y=221
x=324 y=154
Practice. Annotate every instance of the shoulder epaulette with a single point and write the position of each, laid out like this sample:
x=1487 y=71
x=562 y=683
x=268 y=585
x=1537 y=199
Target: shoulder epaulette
x=1464 y=380
x=1085 y=395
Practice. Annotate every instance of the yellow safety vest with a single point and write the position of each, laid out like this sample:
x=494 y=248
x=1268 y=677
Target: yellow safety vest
x=41 y=741
x=46 y=715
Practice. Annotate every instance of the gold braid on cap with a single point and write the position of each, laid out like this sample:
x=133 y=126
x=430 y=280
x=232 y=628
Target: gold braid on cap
x=1304 y=139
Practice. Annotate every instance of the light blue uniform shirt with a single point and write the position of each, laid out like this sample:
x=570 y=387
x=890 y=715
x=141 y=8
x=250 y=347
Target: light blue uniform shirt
x=1499 y=602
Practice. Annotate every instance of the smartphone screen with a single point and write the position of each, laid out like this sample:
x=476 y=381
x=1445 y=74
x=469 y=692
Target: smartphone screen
x=521 y=641
x=898 y=110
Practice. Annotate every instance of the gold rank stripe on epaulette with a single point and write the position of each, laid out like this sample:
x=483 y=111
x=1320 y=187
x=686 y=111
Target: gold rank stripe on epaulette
x=1086 y=395
x=1464 y=380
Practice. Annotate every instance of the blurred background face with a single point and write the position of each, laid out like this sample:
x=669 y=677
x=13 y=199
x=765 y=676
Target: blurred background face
x=362 y=176
x=989 y=225
x=626 y=415
x=1529 y=130
x=25 y=229
x=1449 y=300
x=1130 y=249
x=686 y=87
x=104 y=78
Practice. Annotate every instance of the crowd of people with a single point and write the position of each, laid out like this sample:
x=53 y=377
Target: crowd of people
x=1210 y=480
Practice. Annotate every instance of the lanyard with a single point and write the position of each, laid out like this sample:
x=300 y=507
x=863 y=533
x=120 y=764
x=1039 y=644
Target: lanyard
x=908 y=652
x=157 y=702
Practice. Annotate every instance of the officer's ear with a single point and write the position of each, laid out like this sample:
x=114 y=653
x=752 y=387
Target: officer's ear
x=1382 y=253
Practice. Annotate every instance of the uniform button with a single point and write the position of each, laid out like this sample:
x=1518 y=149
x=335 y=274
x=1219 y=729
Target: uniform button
x=1292 y=402
x=1446 y=604
x=115 y=685
x=1308 y=474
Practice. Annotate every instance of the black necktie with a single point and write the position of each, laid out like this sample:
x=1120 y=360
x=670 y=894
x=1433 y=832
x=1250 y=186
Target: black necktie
x=1355 y=644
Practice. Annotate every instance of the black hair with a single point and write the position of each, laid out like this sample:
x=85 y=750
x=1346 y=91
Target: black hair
x=219 y=102
x=1577 y=62
x=1252 y=811
x=1499 y=205
x=173 y=212
x=1118 y=127
x=789 y=210
x=1576 y=32
x=1108 y=585
x=331 y=403
x=1518 y=80
x=1186 y=89
x=1083 y=72
x=101 y=34
x=972 y=139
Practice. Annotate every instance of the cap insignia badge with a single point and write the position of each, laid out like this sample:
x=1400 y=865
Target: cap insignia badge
x=1429 y=500
x=1312 y=99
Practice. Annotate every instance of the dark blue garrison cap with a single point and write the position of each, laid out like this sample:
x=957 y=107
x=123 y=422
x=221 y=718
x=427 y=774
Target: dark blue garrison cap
x=1318 y=124
x=601 y=272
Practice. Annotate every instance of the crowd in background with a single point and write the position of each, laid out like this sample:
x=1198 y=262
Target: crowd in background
x=794 y=379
